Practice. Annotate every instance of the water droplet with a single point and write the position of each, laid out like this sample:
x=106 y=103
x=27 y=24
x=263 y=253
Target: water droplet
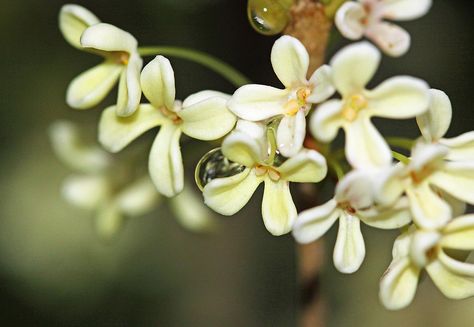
x=268 y=17
x=214 y=165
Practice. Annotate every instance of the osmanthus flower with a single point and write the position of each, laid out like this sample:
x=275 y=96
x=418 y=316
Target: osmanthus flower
x=115 y=197
x=399 y=97
x=356 y=19
x=435 y=123
x=254 y=102
x=248 y=146
x=416 y=250
x=203 y=115
x=424 y=180
x=353 y=202
x=83 y=30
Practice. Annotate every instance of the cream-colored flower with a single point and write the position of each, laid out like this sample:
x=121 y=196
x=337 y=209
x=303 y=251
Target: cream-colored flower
x=397 y=98
x=248 y=146
x=353 y=202
x=356 y=19
x=83 y=30
x=203 y=115
x=255 y=102
x=435 y=123
x=416 y=250
x=424 y=180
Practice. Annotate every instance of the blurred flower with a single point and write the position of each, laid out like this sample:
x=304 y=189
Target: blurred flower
x=356 y=19
x=255 y=102
x=83 y=30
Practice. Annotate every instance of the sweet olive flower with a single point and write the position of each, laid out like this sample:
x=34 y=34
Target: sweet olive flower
x=397 y=98
x=83 y=30
x=254 y=102
x=203 y=115
x=416 y=250
x=435 y=123
x=356 y=19
x=248 y=146
x=353 y=202
x=423 y=180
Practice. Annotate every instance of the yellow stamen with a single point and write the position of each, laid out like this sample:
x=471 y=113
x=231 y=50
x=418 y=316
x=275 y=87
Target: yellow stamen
x=292 y=107
x=261 y=170
x=353 y=105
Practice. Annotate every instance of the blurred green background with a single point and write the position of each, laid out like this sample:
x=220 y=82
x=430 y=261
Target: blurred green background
x=55 y=272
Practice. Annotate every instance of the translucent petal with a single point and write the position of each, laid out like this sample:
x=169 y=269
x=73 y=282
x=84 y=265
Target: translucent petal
x=129 y=92
x=349 y=251
x=435 y=122
x=108 y=37
x=349 y=19
x=327 y=120
x=405 y=9
x=86 y=191
x=457 y=179
x=390 y=38
x=73 y=21
x=452 y=285
x=157 y=82
x=138 y=198
x=307 y=166
x=322 y=85
x=290 y=61
x=291 y=133
x=278 y=210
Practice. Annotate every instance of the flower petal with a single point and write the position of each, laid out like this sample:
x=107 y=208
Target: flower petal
x=307 y=166
x=349 y=251
x=208 y=119
x=322 y=85
x=461 y=148
x=290 y=61
x=257 y=102
x=138 y=198
x=452 y=285
x=108 y=37
x=93 y=85
x=327 y=120
x=203 y=95
x=365 y=147
x=388 y=218
x=354 y=66
x=129 y=92
x=356 y=188
x=399 y=98
x=86 y=191
x=165 y=163
x=157 y=82
x=73 y=21
x=243 y=149
x=435 y=122
x=389 y=185
x=230 y=194
x=455 y=266
x=459 y=233
x=291 y=133
x=278 y=210
x=349 y=19
x=405 y=9
x=457 y=179
x=116 y=132
x=313 y=223
x=390 y=38
x=398 y=284
x=109 y=221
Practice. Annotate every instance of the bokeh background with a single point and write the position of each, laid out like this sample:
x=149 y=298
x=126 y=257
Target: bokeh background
x=54 y=271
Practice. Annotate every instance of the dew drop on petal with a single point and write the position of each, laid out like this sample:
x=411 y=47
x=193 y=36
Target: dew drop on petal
x=268 y=17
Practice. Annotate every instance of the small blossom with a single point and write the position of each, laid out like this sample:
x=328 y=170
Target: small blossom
x=356 y=19
x=122 y=63
x=353 y=202
x=248 y=146
x=203 y=115
x=254 y=102
x=397 y=98
x=416 y=250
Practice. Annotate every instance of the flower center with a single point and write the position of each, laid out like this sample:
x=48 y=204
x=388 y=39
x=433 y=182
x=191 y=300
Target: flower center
x=353 y=105
x=347 y=207
x=171 y=115
x=297 y=101
x=419 y=176
x=121 y=57
x=261 y=170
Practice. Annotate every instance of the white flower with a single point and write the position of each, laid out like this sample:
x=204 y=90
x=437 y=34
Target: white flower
x=248 y=146
x=424 y=179
x=356 y=19
x=255 y=102
x=83 y=30
x=397 y=98
x=420 y=249
x=353 y=202
x=435 y=123
x=202 y=116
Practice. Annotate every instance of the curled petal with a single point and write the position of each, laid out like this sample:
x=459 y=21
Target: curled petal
x=461 y=148
x=459 y=233
x=349 y=19
x=129 y=92
x=165 y=163
x=93 y=85
x=450 y=283
x=327 y=120
x=457 y=179
x=307 y=166
x=322 y=85
x=398 y=284
x=426 y=154
x=290 y=61
x=203 y=95
x=108 y=37
x=435 y=122
x=391 y=38
x=313 y=223
x=399 y=98
x=422 y=242
x=290 y=134
x=138 y=198
x=354 y=66
x=230 y=194
x=278 y=209
x=349 y=251
x=389 y=185
x=401 y=246
x=86 y=191
x=73 y=21
x=257 y=102
x=157 y=82
x=455 y=266
x=356 y=188
x=116 y=132
x=109 y=221
x=390 y=218
x=243 y=149
x=405 y=9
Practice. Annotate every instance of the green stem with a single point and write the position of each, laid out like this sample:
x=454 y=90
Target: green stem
x=400 y=157
x=337 y=168
x=211 y=62
x=400 y=142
